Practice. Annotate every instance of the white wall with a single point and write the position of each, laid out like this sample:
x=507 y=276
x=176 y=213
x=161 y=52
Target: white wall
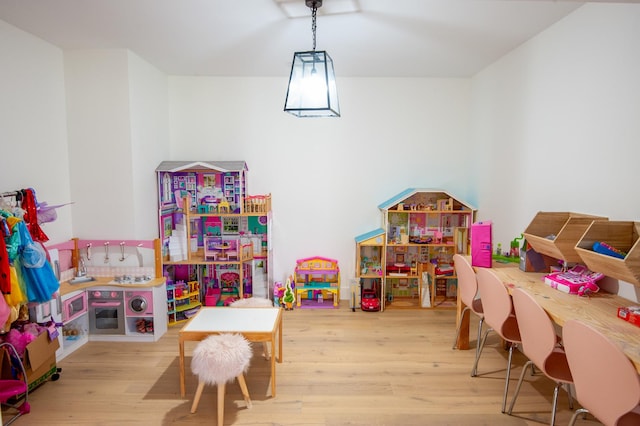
x=148 y=100
x=100 y=154
x=33 y=133
x=555 y=123
x=118 y=134
x=326 y=176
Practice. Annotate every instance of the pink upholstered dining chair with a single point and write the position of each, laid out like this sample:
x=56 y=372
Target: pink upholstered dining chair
x=499 y=316
x=540 y=345
x=606 y=382
x=468 y=288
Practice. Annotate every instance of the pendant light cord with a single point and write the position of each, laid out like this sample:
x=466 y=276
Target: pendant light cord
x=314 y=9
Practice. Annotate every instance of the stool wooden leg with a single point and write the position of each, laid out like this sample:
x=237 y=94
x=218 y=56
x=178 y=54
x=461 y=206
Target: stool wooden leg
x=244 y=389
x=265 y=350
x=196 y=399
x=221 y=389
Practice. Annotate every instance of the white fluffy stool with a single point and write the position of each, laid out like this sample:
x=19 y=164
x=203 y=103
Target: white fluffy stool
x=217 y=360
x=255 y=302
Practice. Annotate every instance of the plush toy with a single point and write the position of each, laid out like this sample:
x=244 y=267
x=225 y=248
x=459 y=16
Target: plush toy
x=19 y=340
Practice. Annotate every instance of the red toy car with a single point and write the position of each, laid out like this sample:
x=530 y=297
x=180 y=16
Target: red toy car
x=370 y=301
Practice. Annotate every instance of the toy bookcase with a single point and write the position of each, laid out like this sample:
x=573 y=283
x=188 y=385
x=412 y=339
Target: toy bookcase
x=556 y=234
x=316 y=280
x=423 y=229
x=624 y=236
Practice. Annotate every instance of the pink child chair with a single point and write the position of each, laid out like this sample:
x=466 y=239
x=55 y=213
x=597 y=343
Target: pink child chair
x=499 y=316
x=12 y=388
x=468 y=287
x=607 y=383
x=540 y=344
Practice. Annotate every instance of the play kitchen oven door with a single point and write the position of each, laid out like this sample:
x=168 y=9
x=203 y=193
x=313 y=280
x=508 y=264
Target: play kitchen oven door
x=106 y=312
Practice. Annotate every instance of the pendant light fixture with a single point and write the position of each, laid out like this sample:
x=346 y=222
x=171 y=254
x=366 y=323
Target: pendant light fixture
x=312 y=84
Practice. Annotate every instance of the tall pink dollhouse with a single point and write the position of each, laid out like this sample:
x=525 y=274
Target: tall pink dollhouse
x=210 y=223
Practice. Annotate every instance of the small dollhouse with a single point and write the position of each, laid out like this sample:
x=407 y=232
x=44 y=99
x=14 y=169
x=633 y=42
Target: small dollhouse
x=316 y=279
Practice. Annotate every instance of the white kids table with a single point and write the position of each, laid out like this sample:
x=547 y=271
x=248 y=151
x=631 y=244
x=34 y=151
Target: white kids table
x=255 y=324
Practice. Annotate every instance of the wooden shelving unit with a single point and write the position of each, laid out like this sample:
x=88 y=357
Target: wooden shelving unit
x=556 y=234
x=624 y=236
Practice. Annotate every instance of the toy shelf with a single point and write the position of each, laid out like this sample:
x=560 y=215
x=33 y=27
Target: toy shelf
x=622 y=235
x=556 y=234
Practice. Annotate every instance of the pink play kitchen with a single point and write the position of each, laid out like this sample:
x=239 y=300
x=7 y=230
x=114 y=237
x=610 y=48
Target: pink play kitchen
x=110 y=290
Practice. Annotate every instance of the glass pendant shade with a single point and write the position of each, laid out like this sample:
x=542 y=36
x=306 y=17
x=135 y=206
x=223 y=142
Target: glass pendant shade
x=312 y=86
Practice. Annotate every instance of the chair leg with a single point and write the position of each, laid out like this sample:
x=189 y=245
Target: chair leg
x=575 y=415
x=244 y=389
x=555 y=403
x=455 y=341
x=479 y=334
x=474 y=370
x=221 y=389
x=196 y=399
x=506 y=383
x=515 y=395
x=568 y=389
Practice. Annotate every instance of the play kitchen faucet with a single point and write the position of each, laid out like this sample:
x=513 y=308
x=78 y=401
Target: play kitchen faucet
x=81 y=274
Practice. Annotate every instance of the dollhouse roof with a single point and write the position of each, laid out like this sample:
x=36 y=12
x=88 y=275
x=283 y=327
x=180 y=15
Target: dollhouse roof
x=369 y=235
x=218 y=166
x=434 y=193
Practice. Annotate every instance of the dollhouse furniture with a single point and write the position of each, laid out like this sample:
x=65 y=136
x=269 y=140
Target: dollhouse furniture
x=210 y=244
x=218 y=360
x=315 y=276
x=230 y=285
x=216 y=250
x=255 y=324
x=223 y=206
x=257 y=203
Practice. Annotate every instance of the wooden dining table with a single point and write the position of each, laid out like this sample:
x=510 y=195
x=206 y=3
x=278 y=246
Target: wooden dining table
x=599 y=309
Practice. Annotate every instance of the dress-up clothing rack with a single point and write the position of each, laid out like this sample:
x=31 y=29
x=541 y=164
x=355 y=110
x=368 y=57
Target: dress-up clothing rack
x=14 y=198
x=25 y=199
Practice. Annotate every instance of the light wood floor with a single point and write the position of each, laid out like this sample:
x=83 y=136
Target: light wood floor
x=340 y=368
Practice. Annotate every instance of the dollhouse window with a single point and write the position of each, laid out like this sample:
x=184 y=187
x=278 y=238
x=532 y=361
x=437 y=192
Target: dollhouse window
x=209 y=181
x=166 y=188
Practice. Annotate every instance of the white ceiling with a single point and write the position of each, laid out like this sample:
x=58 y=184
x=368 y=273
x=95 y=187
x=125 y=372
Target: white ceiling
x=385 y=38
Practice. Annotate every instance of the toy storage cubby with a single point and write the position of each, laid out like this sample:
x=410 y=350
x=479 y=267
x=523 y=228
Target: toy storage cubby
x=624 y=236
x=556 y=234
x=208 y=221
x=422 y=228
